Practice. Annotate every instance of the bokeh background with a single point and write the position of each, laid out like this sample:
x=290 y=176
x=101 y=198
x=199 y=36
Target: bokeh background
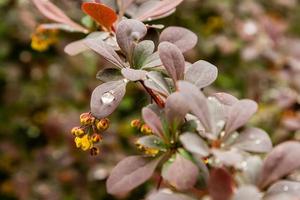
x=254 y=43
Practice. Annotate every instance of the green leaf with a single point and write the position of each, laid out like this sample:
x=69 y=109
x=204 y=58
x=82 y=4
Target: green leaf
x=109 y=74
x=141 y=52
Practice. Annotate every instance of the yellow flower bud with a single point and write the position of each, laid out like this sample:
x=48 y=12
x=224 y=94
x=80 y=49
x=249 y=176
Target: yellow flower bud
x=146 y=129
x=95 y=151
x=86 y=119
x=96 y=138
x=102 y=124
x=77 y=142
x=136 y=123
x=77 y=131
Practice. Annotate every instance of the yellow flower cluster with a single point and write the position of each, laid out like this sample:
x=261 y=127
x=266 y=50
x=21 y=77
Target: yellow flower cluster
x=144 y=128
x=41 y=39
x=89 y=133
x=147 y=150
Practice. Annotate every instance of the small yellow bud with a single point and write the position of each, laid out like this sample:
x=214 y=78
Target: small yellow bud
x=146 y=129
x=96 y=138
x=95 y=151
x=102 y=124
x=77 y=131
x=136 y=123
x=77 y=142
x=86 y=119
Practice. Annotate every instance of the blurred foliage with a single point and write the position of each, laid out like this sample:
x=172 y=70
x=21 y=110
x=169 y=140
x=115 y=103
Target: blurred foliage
x=43 y=93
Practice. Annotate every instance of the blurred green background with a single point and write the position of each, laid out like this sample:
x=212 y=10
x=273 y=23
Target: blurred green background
x=255 y=45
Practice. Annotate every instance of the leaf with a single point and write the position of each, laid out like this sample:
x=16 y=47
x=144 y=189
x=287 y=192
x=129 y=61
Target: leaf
x=152 y=120
x=129 y=32
x=225 y=98
x=157 y=83
x=152 y=141
x=251 y=167
x=281 y=196
x=79 y=46
x=239 y=114
x=152 y=61
x=220 y=184
x=106 y=97
x=197 y=103
x=106 y=51
x=201 y=74
x=109 y=74
x=183 y=38
x=230 y=158
x=159 y=9
x=161 y=195
x=284 y=186
x=54 y=13
x=172 y=60
x=254 y=140
x=58 y=26
x=217 y=117
x=129 y=174
x=101 y=13
x=141 y=52
x=175 y=109
x=182 y=173
x=281 y=161
x=134 y=74
x=194 y=144
x=247 y=192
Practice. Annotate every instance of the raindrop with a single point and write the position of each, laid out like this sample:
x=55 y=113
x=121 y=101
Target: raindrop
x=252 y=136
x=257 y=141
x=107 y=97
x=149 y=19
x=244 y=165
x=285 y=188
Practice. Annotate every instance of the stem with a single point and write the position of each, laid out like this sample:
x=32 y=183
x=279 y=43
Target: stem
x=159 y=182
x=155 y=97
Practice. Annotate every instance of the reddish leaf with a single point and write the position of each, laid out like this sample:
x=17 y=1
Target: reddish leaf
x=182 y=173
x=172 y=60
x=220 y=184
x=102 y=14
x=54 y=13
x=129 y=32
x=106 y=97
x=129 y=174
x=239 y=114
x=160 y=9
x=175 y=109
x=281 y=161
x=152 y=120
x=183 y=38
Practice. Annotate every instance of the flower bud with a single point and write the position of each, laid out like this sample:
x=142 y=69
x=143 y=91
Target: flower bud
x=146 y=129
x=136 y=123
x=94 y=151
x=86 y=119
x=77 y=131
x=102 y=124
x=96 y=138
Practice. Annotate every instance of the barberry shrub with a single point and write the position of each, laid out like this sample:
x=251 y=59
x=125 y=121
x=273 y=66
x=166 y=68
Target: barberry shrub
x=198 y=143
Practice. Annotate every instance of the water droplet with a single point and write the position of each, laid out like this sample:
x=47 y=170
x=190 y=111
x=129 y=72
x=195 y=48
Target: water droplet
x=244 y=165
x=257 y=141
x=252 y=137
x=285 y=188
x=107 y=97
x=149 y=19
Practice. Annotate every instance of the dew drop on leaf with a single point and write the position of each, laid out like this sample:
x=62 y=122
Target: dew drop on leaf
x=107 y=98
